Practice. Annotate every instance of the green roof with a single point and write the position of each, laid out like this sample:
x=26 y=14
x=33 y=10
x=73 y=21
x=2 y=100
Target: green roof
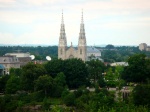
x=1 y=66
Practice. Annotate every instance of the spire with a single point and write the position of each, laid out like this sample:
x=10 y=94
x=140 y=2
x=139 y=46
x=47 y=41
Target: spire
x=82 y=31
x=62 y=20
x=62 y=31
x=82 y=17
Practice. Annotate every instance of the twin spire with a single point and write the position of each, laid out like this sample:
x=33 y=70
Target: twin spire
x=63 y=34
x=62 y=20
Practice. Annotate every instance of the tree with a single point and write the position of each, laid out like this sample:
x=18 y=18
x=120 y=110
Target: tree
x=118 y=72
x=141 y=95
x=44 y=83
x=60 y=79
x=109 y=46
x=59 y=84
x=95 y=69
x=69 y=99
x=54 y=67
x=3 y=81
x=110 y=78
x=76 y=73
x=138 y=69
x=13 y=84
x=30 y=73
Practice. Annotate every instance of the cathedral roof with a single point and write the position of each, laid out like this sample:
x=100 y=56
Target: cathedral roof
x=92 y=50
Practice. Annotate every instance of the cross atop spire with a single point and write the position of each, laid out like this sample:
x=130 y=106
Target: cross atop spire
x=82 y=17
x=62 y=20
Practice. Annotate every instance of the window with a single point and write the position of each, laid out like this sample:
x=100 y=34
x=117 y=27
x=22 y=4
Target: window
x=80 y=51
x=60 y=51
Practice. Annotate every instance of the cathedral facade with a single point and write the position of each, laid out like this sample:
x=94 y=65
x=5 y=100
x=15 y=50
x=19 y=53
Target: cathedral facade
x=66 y=53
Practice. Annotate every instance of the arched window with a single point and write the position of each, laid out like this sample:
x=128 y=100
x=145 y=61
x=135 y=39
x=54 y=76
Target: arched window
x=80 y=51
x=60 y=51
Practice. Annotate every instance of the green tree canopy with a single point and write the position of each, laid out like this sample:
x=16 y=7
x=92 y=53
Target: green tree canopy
x=13 y=84
x=76 y=73
x=95 y=69
x=44 y=83
x=30 y=73
x=54 y=67
x=138 y=69
x=110 y=46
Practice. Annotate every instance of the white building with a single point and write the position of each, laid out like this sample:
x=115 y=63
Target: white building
x=119 y=64
x=18 y=54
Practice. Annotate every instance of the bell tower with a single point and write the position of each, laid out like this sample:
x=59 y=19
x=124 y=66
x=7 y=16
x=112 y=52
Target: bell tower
x=82 y=41
x=62 y=46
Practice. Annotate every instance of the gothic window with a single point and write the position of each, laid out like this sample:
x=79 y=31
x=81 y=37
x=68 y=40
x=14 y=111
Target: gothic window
x=60 y=51
x=80 y=51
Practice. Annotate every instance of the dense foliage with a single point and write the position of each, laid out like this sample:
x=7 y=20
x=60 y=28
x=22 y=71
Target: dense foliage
x=40 y=52
x=73 y=85
x=138 y=69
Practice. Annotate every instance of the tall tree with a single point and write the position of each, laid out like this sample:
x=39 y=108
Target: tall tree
x=138 y=69
x=12 y=85
x=3 y=81
x=95 y=69
x=54 y=67
x=44 y=83
x=110 y=78
x=76 y=73
x=30 y=73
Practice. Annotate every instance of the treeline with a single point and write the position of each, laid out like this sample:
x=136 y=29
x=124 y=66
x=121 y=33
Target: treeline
x=73 y=85
x=109 y=53
x=40 y=52
x=112 y=54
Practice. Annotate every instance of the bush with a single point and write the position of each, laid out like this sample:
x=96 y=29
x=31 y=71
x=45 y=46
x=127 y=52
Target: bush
x=69 y=99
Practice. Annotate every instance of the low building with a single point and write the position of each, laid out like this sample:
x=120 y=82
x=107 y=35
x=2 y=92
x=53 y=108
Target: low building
x=93 y=53
x=148 y=48
x=119 y=64
x=8 y=62
x=23 y=58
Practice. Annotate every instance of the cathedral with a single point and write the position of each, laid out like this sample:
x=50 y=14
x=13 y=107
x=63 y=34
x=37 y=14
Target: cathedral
x=80 y=52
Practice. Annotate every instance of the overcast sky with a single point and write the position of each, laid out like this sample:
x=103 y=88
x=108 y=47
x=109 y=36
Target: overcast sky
x=117 y=22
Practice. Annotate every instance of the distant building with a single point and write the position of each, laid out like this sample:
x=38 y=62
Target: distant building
x=148 y=48
x=93 y=53
x=19 y=54
x=8 y=62
x=64 y=52
x=144 y=47
x=23 y=58
x=82 y=51
x=119 y=64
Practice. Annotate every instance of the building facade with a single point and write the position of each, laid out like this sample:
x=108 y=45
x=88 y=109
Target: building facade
x=9 y=62
x=23 y=58
x=142 y=46
x=80 y=52
x=93 y=53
